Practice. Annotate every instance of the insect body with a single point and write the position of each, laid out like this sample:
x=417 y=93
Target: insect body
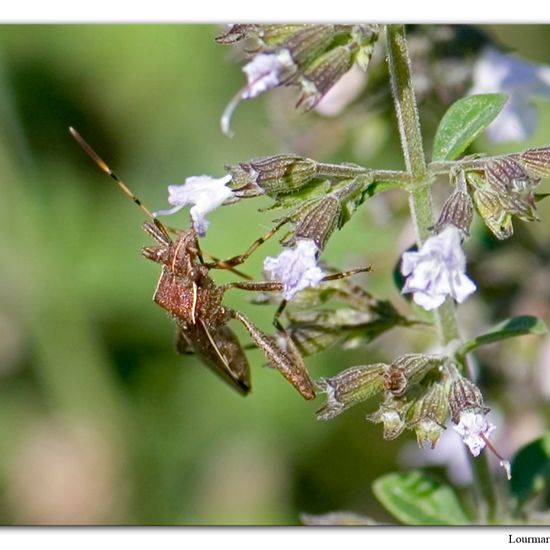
x=186 y=290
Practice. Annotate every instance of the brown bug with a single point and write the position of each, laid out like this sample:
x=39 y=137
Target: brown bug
x=186 y=290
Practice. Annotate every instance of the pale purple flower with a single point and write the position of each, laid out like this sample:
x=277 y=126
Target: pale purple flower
x=265 y=71
x=474 y=429
x=204 y=193
x=296 y=268
x=437 y=270
x=494 y=72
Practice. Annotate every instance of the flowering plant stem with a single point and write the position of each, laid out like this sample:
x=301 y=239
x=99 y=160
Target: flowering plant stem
x=420 y=202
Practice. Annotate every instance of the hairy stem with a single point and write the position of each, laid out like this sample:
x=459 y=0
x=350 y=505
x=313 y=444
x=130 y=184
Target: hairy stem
x=397 y=177
x=421 y=211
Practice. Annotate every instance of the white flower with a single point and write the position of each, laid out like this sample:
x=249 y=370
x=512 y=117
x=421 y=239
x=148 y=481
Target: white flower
x=265 y=71
x=204 y=193
x=296 y=268
x=521 y=80
x=474 y=429
x=437 y=270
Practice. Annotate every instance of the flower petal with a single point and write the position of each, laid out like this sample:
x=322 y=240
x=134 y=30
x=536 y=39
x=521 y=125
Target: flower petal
x=462 y=287
x=265 y=71
x=204 y=193
x=437 y=270
x=474 y=429
x=296 y=268
x=428 y=301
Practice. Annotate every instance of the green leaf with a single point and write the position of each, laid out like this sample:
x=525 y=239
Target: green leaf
x=463 y=122
x=416 y=499
x=377 y=187
x=531 y=470
x=517 y=326
x=541 y=196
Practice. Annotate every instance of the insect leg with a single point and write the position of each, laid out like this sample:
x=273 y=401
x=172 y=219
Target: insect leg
x=344 y=274
x=282 y=354
x=255 y=286
x=229 y=268
x=241 y=258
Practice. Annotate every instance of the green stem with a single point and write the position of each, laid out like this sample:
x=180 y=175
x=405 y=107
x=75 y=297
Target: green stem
x=421 y=210
x=397 y=177
x=405 y=102
x=446 y=166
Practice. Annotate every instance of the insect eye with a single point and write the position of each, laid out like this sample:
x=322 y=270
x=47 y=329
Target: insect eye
x=194 y=273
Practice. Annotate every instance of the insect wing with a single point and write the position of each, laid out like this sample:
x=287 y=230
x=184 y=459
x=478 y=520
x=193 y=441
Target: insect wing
x=220 y=349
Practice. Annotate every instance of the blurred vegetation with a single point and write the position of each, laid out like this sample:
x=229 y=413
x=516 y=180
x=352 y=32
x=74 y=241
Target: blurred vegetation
x=100 y=420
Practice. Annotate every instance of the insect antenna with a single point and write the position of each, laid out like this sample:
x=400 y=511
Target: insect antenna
x=125 y=189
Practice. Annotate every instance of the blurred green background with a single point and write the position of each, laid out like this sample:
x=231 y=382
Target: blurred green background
x=100 y=420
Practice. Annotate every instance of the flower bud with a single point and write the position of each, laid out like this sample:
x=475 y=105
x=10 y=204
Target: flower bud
x=497 y=211
x=505 y=191
x=458 y=209
x=274 y=175
x=465 y=396
x=429 y=415
x=349 y=387
x=351 y=194
x=236 y=33
x=506 y=174
x=521 y=205
x=536 y=162
x=490 y=209
x=275 y=35
x=392 y=414
x=408 y=370
x=308 y=43
x=315 y=221
x=322 y=74
x=365 y=36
